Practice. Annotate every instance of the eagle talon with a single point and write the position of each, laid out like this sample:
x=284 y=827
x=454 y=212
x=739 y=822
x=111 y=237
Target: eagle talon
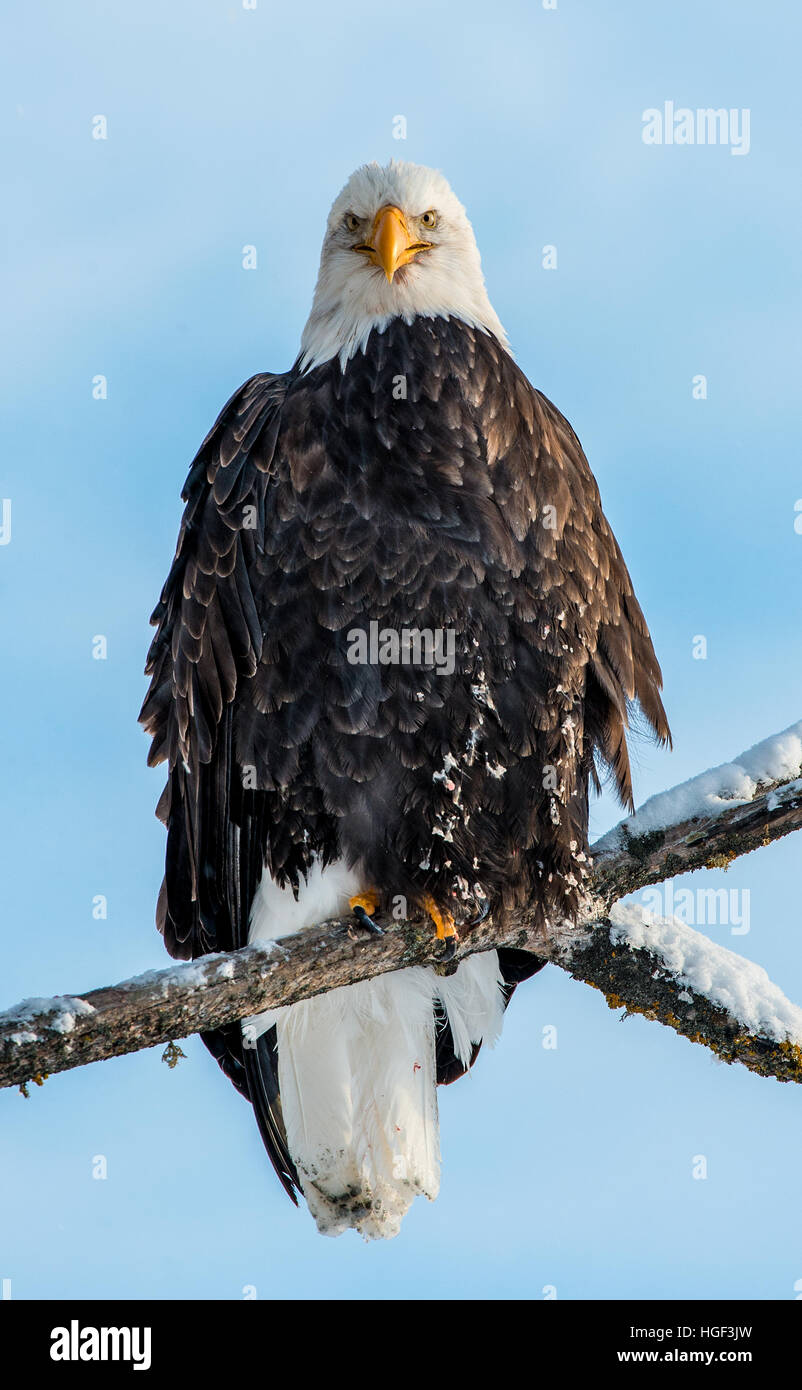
x=362 y=905
x=367 y=922
x=483 y=915
x=445 y=927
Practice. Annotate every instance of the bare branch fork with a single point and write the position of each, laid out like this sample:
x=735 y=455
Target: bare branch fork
x=707 y=822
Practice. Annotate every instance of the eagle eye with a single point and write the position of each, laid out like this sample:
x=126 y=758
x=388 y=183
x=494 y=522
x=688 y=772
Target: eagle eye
x=429 y=219
x=351 y=221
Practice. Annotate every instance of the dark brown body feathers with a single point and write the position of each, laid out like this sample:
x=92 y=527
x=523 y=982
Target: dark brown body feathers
x=320 y=504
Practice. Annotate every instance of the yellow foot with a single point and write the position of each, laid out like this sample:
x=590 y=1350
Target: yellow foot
x=368 y=901
x=363 y=905
x=443 y=921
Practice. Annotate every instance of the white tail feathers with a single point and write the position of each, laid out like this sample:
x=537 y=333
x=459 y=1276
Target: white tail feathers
x=358 y=1088
x=358 y=1078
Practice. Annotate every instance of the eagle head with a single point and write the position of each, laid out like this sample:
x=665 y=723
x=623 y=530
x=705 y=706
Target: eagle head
x=398 y=243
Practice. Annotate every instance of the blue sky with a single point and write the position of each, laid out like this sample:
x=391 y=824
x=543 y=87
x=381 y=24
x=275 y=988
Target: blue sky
x=572 y=1167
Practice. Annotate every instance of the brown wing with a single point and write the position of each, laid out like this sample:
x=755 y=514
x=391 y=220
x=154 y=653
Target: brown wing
x=549 y=497
x=208 y=641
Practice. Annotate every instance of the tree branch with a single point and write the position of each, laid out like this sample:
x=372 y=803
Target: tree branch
x=630 y=961
x=629 y=858
x=709 y=821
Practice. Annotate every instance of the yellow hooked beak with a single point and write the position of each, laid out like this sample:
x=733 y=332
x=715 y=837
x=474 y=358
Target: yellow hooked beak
x=391 y=244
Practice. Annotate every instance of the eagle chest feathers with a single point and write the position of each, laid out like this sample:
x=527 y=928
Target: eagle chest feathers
x=419 y=681
x=397 y=639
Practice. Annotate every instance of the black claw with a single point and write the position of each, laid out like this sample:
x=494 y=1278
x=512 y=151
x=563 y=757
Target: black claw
x=450 y=948
x=482 y=915
x=367 y=922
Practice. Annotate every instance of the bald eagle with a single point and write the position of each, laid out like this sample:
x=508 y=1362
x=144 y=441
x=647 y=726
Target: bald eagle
x=397 y=646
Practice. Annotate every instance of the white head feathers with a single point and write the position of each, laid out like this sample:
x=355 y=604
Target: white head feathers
x=353 y=295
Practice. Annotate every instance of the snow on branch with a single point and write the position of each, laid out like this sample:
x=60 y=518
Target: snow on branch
x=667 y=972
x=659 y=969
x=705 y=822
